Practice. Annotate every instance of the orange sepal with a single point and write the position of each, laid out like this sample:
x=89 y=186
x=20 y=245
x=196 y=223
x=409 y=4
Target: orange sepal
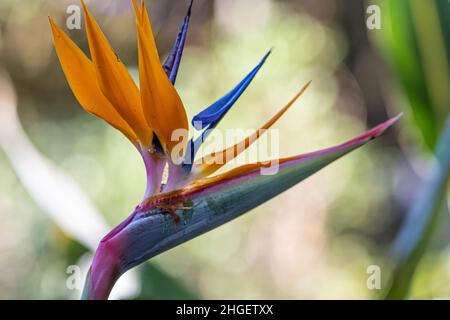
x=162 y=106
x=81 y=76
x=115 y=81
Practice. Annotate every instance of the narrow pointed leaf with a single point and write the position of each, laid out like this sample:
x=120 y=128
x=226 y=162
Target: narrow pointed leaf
x=420 y=62
x=167 y=220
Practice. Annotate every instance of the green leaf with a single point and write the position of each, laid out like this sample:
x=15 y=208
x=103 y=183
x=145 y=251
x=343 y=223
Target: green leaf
x=415 y=40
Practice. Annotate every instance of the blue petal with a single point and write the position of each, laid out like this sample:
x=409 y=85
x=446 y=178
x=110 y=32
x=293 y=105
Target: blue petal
x=173 y=60
x=214 y=113
x=209 y=118
x=192 y=149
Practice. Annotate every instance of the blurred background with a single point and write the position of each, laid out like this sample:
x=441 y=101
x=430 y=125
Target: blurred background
x=314 y=241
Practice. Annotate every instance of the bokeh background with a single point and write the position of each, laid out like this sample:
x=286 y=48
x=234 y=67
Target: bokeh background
x=314 y=241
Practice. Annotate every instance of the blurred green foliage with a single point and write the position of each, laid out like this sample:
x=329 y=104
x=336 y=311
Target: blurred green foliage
x=157 y=285
x=415 y=39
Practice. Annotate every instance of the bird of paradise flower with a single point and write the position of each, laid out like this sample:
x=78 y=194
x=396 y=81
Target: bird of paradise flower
x=192 y=201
